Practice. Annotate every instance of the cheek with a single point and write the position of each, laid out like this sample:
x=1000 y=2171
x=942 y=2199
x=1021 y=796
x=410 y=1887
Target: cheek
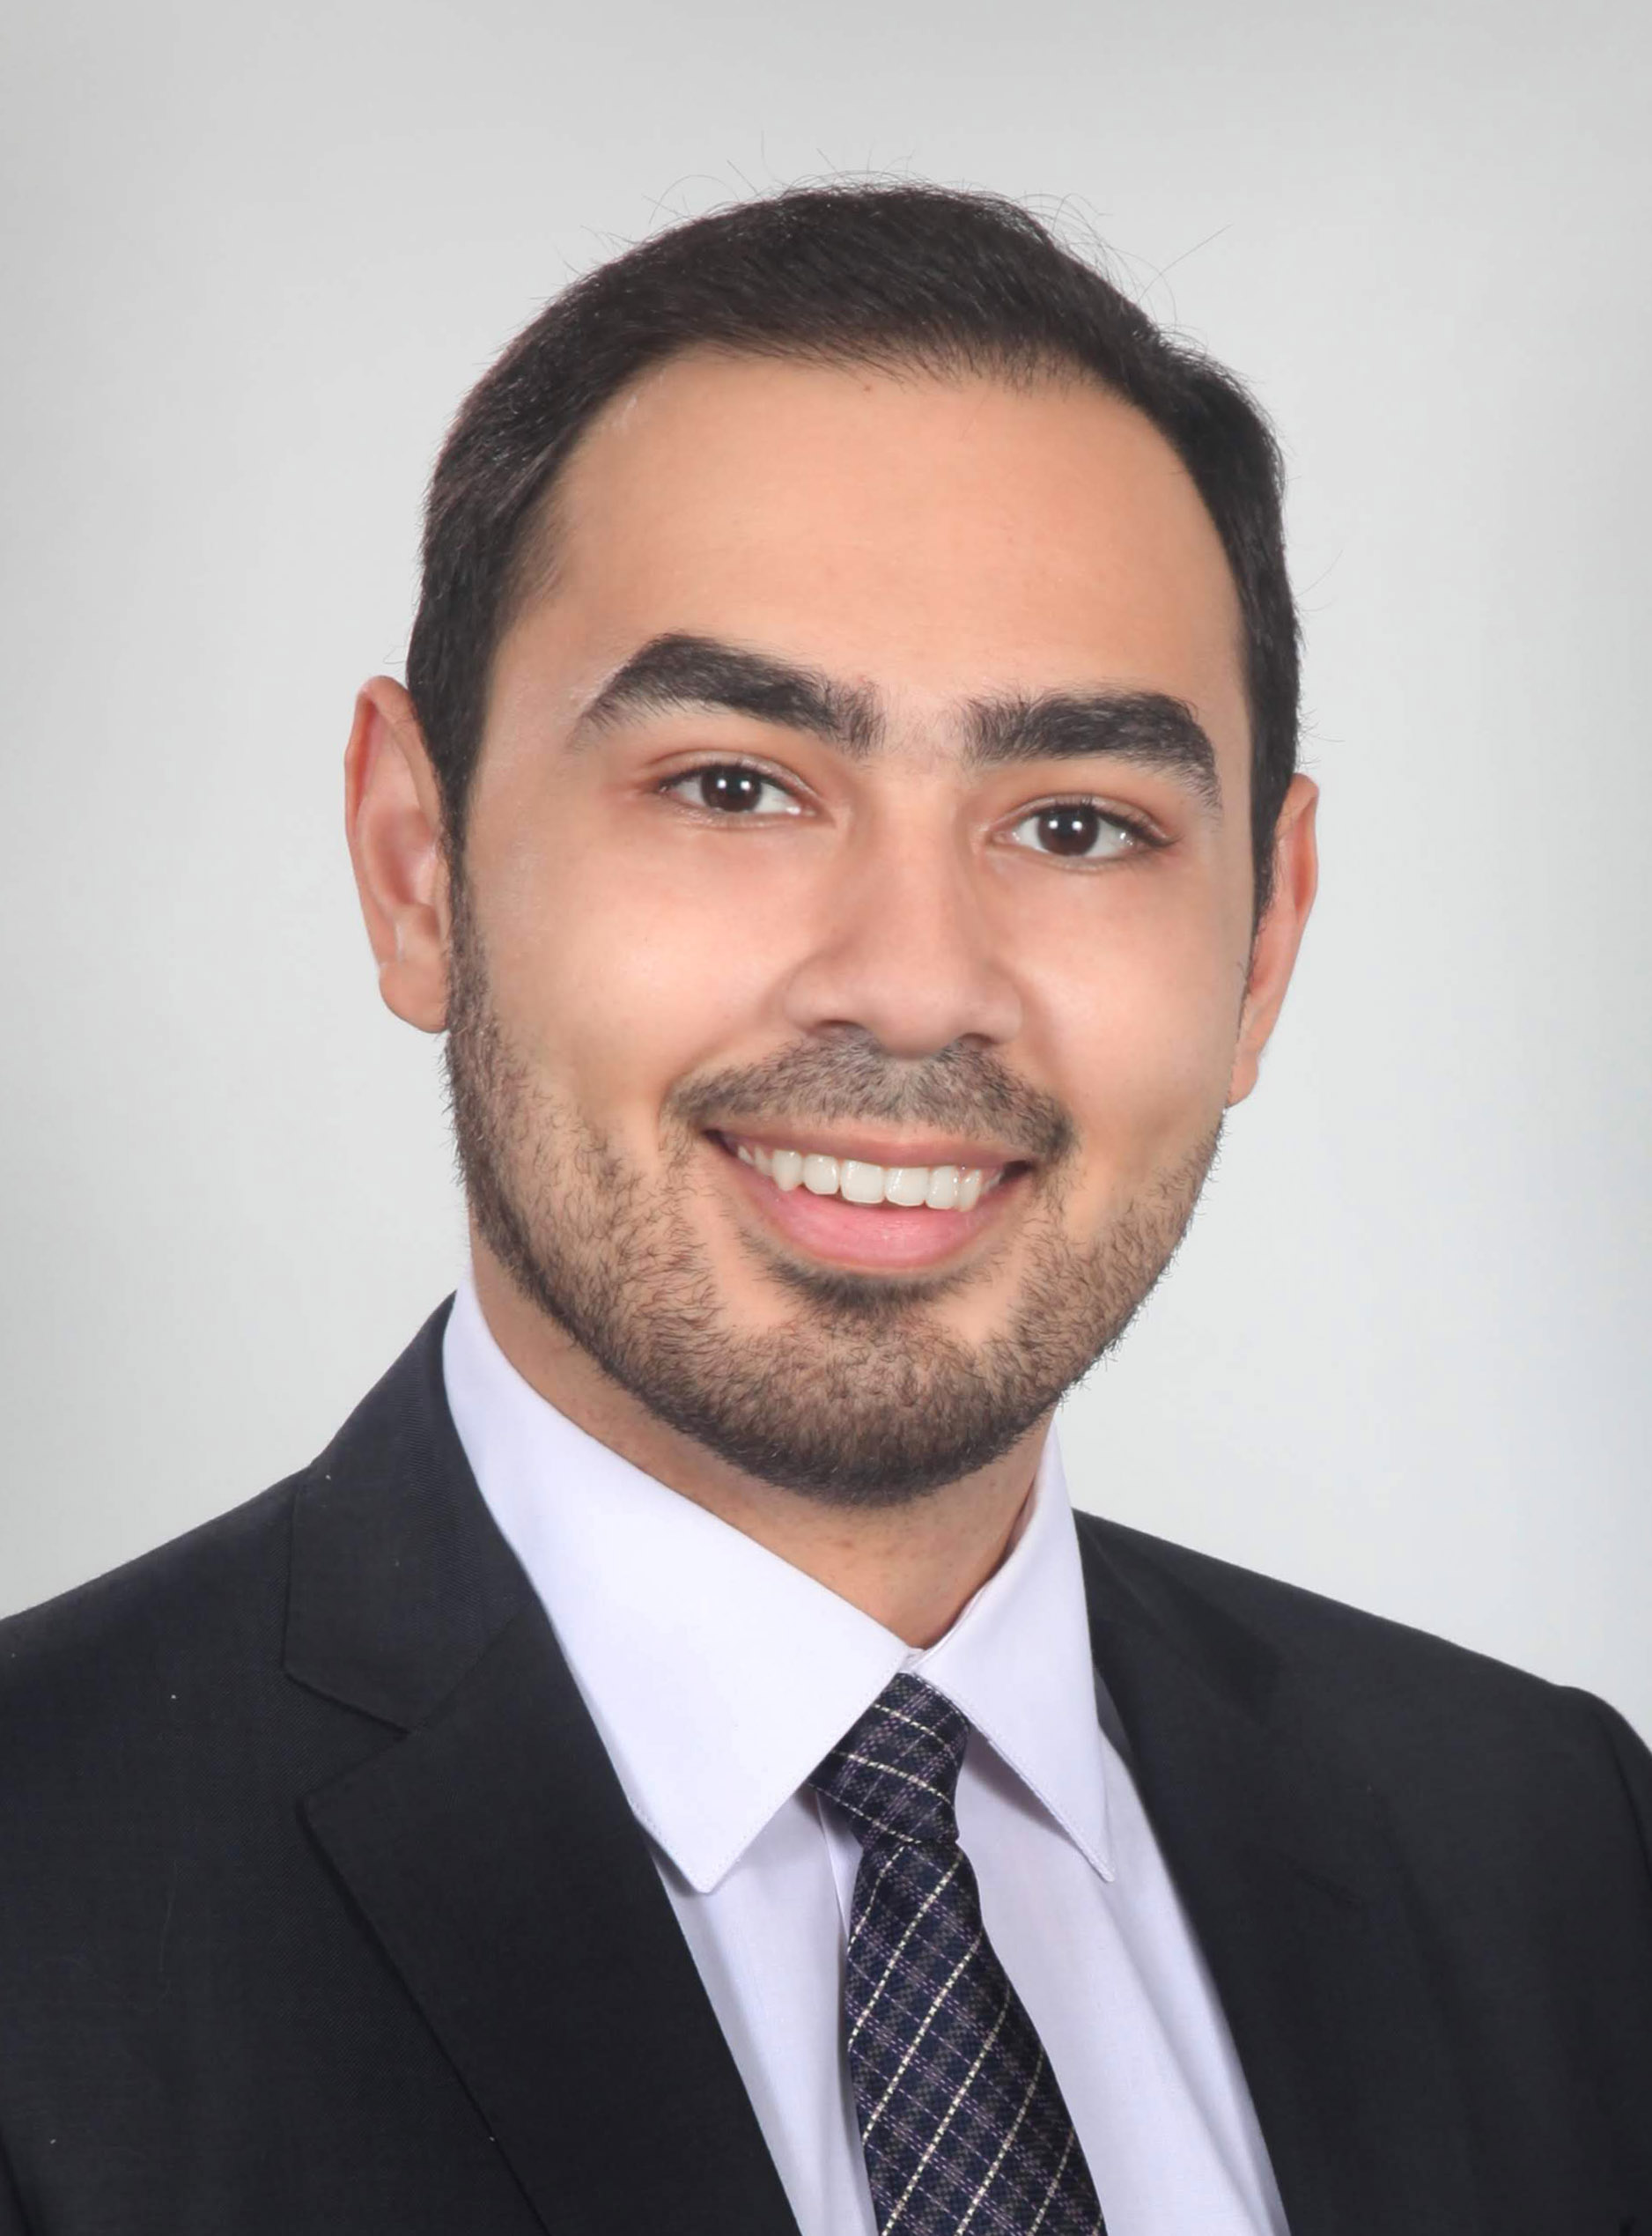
x=1137 y=1027
x=618 y=976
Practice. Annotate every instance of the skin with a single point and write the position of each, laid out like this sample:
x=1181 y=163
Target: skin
x=932 y=542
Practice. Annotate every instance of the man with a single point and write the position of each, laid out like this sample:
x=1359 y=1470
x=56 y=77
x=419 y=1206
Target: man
x=674 y=1762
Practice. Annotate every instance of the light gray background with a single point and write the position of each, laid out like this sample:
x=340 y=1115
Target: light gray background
x=255 y=254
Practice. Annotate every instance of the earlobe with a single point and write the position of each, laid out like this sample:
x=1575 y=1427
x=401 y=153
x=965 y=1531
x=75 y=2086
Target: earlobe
x=393 y=819
x=1279 y=936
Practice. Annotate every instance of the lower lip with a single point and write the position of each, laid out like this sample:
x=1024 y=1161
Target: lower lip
x=874 y=1237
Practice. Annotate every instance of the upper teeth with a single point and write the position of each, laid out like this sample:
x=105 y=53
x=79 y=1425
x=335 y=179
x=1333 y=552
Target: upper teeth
x=942 y=1187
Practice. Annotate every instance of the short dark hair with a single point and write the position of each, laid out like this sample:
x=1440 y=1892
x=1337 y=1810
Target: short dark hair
x=898 y=277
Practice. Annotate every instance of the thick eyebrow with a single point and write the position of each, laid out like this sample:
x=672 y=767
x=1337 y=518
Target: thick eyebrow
x=1148 y=728
x=681 y=671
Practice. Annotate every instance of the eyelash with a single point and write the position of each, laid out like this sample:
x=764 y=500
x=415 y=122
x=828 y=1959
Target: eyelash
x=1139 y=833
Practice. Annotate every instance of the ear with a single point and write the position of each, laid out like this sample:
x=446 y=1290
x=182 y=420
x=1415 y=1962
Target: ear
x=393 y=817
x=1279 y=934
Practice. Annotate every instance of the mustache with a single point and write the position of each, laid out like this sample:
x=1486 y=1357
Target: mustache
x=959 y=1089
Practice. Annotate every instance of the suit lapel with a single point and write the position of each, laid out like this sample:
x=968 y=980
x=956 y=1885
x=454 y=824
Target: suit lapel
x=492 y=1850
x=1286 y=1872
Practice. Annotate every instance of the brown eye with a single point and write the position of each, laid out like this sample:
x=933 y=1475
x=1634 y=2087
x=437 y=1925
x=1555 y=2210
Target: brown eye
x=733 y=788
x=1068 y=830
x=1075 y=829
x=737 y=790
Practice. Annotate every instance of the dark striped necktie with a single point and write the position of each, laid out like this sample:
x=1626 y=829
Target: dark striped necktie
x=961 y=2120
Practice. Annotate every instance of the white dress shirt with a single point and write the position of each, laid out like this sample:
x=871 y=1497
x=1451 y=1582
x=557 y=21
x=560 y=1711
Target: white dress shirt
x=718 y=1676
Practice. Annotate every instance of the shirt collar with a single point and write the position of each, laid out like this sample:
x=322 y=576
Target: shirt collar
x=1017 y=1662
x=718 y=1674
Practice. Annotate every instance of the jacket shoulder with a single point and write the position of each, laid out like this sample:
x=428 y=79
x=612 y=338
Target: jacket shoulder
x=1303 y=1627
x=211 y=1606
x=1402 y=1702
x=111 y=1660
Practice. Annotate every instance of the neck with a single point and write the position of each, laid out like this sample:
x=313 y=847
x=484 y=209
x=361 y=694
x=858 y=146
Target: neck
x=911 y=1566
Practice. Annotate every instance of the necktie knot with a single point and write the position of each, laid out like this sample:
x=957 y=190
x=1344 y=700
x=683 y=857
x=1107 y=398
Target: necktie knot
x=895 y=1773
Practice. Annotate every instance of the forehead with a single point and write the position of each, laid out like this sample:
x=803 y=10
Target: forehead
x=937 y=537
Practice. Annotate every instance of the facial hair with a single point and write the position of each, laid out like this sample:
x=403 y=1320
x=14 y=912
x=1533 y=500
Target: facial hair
x=862 y=1398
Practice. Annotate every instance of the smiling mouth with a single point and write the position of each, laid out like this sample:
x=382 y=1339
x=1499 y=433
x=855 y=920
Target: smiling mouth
x=910 y=1187
x=935 y=1206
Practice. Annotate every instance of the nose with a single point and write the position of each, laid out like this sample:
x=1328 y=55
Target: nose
x=905 y=949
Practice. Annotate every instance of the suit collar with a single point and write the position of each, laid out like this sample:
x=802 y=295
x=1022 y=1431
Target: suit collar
x=491 y=1852
x=399 y=1579
x=1284 y=1863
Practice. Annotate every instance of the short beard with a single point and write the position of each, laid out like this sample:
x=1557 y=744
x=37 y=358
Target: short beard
x=862 y=1398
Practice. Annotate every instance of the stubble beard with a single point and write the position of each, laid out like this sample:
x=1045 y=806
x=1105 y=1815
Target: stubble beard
x=862 y=1397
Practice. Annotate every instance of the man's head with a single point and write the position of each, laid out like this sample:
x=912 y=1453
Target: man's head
x=852 y=726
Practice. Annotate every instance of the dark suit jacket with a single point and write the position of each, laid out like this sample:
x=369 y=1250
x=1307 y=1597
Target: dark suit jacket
x=321 y=1910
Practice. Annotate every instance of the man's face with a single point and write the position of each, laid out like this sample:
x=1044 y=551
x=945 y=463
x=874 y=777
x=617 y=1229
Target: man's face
x=865 y=798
